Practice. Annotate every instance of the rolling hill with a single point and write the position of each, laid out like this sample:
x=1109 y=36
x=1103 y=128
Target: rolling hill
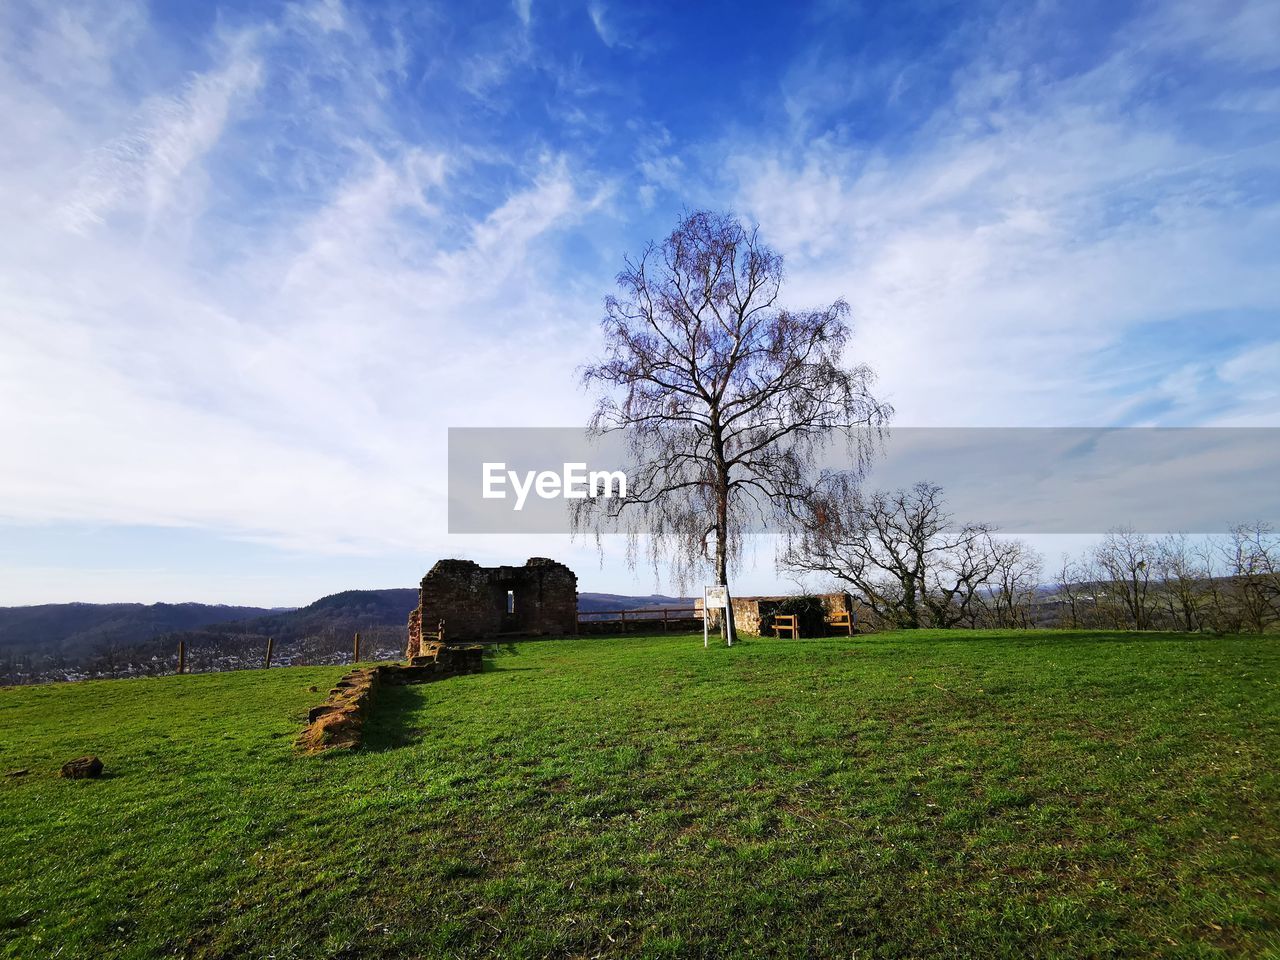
x=71 y=635
x=73 y=629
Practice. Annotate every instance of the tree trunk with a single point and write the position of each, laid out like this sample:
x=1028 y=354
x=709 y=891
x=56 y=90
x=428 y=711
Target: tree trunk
x=728 y=629
x=910 y=612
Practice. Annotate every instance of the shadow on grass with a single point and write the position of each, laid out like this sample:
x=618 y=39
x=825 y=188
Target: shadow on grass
x=494 y=652
x=391 y=725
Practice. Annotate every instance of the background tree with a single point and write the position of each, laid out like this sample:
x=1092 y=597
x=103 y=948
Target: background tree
x=1218 y=612
x=902 y=553
x=1183 y=580
x=1126 y=560
x=723 y=396
x=1070 y=582
x=1252 y=553
x=1222 y=584
x=1009 y=600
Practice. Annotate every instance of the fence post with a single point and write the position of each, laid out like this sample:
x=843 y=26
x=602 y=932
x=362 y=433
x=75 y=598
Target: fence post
x=665 y=627
x=355 y=649
x=270 y=644
x=624 y=621
x=182 y=656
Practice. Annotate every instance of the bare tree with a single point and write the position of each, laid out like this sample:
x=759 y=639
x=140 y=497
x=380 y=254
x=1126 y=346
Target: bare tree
x=1014 y=580
x=1223 y=584
x=956 y=586
x=1183 y=580
x=1218 y=611
x=107 y=658
x=904 y=556
x=1126 y=561
x=1069 y=592
x=723 y=396
x=1253 y=565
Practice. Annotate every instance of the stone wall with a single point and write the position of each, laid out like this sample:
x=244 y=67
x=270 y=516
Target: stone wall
x=338 y=723
x=475 y=602
x=415 y=630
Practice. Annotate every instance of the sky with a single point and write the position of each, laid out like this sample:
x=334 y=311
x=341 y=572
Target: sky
x=258 y=258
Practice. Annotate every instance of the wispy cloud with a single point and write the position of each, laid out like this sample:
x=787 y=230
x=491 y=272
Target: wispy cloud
x=294 y=388
x=1030 y=222
x=258 y=266
x=146 y=165
x=599 y=20
x=618 y=25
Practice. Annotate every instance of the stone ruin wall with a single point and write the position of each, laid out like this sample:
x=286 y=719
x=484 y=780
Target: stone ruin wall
x=338 y=723
x=415 y=631
x=473 y=601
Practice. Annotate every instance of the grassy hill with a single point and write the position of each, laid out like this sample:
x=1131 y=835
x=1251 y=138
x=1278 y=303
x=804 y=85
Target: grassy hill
x=994 y=794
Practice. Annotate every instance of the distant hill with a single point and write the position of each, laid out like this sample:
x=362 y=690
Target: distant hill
x=72 y=629
x=107 y=638
x=344 y=612
x=604 y=602
x=352 y=610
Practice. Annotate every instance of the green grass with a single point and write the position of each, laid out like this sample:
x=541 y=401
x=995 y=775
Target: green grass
x=992 y=794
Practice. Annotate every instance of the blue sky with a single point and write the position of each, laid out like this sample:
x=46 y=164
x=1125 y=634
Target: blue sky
x=258 y=257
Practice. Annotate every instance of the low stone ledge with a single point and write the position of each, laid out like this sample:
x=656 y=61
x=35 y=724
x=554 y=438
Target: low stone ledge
x=338 y=723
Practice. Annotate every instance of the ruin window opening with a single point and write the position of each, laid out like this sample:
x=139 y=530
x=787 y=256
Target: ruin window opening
x=539 y=598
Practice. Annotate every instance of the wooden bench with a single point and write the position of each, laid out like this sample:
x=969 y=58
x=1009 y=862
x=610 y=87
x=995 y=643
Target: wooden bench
x=841 y=620
x=786 y=622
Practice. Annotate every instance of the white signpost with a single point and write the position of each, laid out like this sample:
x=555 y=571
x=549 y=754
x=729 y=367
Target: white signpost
x=713 y=598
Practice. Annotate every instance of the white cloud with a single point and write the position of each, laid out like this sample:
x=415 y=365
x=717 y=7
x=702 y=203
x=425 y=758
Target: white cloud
x=327 y=15
x=604 y=30
x=1027 y=228
x=251 y=298
x=145 y=166
x=1256 y=365
x=1239 y=32
x=1254 y=377
x=294 y=386
x=72 y=47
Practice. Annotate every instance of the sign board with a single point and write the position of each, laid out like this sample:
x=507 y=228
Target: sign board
x=713 y=598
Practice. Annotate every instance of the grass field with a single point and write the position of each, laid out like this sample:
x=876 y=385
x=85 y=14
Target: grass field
x=997 y=794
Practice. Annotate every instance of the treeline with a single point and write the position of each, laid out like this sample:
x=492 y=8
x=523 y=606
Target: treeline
x=912 y=565
x=1218 y=584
